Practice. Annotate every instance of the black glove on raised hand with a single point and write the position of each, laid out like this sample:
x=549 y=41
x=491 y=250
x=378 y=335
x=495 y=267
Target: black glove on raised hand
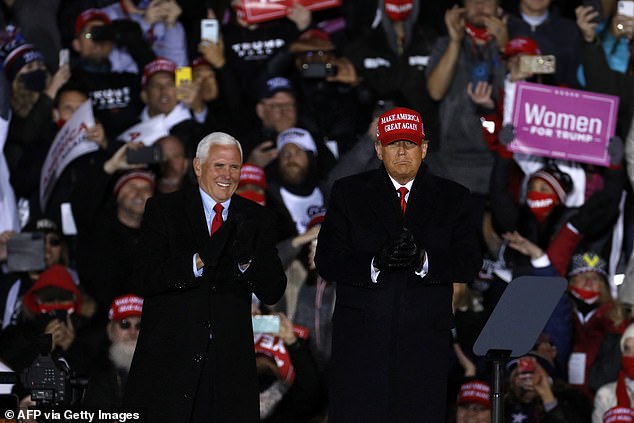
x=400 y=254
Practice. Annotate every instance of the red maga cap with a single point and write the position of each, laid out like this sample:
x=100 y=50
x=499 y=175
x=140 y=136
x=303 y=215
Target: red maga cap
x=475 y=391
x=90 y=15
x=125 y=306
x=400 y=124
x=521 y=45
x=155 y=66
x=619 y=414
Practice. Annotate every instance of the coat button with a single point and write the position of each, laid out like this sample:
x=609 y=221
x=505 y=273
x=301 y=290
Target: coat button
x=187 y=395
x=198 y=358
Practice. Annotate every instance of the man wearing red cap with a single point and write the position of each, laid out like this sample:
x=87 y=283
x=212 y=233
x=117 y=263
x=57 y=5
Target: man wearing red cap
x=203 y=253
x=111 y=55
x=107 y=380
x=161 y=97
x=394 y=240
x=474 y=402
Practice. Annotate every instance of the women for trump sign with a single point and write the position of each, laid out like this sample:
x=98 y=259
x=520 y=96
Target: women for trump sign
x=563 y=123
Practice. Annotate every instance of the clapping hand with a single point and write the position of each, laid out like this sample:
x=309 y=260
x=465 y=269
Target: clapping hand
x=400 y=254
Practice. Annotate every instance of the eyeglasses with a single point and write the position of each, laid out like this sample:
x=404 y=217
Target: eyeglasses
x=126 y=324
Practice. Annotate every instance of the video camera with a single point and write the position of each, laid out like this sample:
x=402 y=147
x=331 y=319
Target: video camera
x=50 y=381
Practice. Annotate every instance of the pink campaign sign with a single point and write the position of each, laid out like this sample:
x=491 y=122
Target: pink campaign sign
x=563 y=123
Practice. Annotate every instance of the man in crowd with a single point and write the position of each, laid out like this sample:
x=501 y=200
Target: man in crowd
x=195 y=351
x=474 y=402
x=467 y=60
x=394 y=239
x=295 y=182
x=160 y=95
x=105 y=387
x=110 y=73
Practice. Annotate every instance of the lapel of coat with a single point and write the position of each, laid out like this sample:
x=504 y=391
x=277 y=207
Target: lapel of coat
x=420 y=202
x=196 y=217
x=386 y=204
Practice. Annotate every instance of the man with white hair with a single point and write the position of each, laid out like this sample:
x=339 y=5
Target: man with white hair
x=203 y=252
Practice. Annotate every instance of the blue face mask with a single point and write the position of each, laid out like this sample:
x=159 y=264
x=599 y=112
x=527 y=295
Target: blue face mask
x=34 y=80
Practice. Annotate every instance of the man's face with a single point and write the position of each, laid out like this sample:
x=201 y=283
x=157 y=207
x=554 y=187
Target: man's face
x=133 y=195
x=473 y=413
x=160 y=94
x=477 y=10
x=219 y=174
x=124 y=330
x=534 y=7
x=278 y=112
x=401 y=159
x=293 y=164
x=175 y=164
x=206 y=78
x=68 y=103
x=89 y=49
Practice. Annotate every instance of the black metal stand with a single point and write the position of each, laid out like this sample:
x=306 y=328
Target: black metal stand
x=514 y=325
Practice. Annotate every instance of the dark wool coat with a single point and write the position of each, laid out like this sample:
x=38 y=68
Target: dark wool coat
x=180 y=311
x=391 y=339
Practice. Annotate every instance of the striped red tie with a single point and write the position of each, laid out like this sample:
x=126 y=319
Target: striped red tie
x=216 y=223
x=403 y=192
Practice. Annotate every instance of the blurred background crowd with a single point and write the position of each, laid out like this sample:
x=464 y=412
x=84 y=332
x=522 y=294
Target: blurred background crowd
x=302 y=94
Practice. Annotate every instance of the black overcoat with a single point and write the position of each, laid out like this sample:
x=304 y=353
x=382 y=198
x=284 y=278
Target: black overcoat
x=391 y=339
x=180 y=311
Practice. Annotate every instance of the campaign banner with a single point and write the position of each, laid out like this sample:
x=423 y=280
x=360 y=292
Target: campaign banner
x=563 y=123
x=69 y=143
x=146 y=132
x=254 y=11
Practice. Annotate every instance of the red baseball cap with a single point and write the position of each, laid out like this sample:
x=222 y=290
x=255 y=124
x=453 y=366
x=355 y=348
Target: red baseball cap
x=475 y=391
x=90 y=15
x=125 y=306
x=252 y=174
x=155 y=66
x=400 y=124
x=521 y=45
x=619 y=414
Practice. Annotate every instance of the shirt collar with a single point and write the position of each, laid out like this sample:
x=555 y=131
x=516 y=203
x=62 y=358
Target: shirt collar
x=397 y=185
x=209 y=204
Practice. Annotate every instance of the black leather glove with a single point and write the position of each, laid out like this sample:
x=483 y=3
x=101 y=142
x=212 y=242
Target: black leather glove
x=400 y=254
x=244 y=245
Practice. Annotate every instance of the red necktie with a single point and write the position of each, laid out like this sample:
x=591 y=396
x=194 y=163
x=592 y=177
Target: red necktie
x=403 y=192
x=216 y=223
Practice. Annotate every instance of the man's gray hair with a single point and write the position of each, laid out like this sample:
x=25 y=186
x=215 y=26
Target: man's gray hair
x=215 y=138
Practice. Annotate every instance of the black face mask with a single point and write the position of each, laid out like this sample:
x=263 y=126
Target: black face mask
x=34 y=80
